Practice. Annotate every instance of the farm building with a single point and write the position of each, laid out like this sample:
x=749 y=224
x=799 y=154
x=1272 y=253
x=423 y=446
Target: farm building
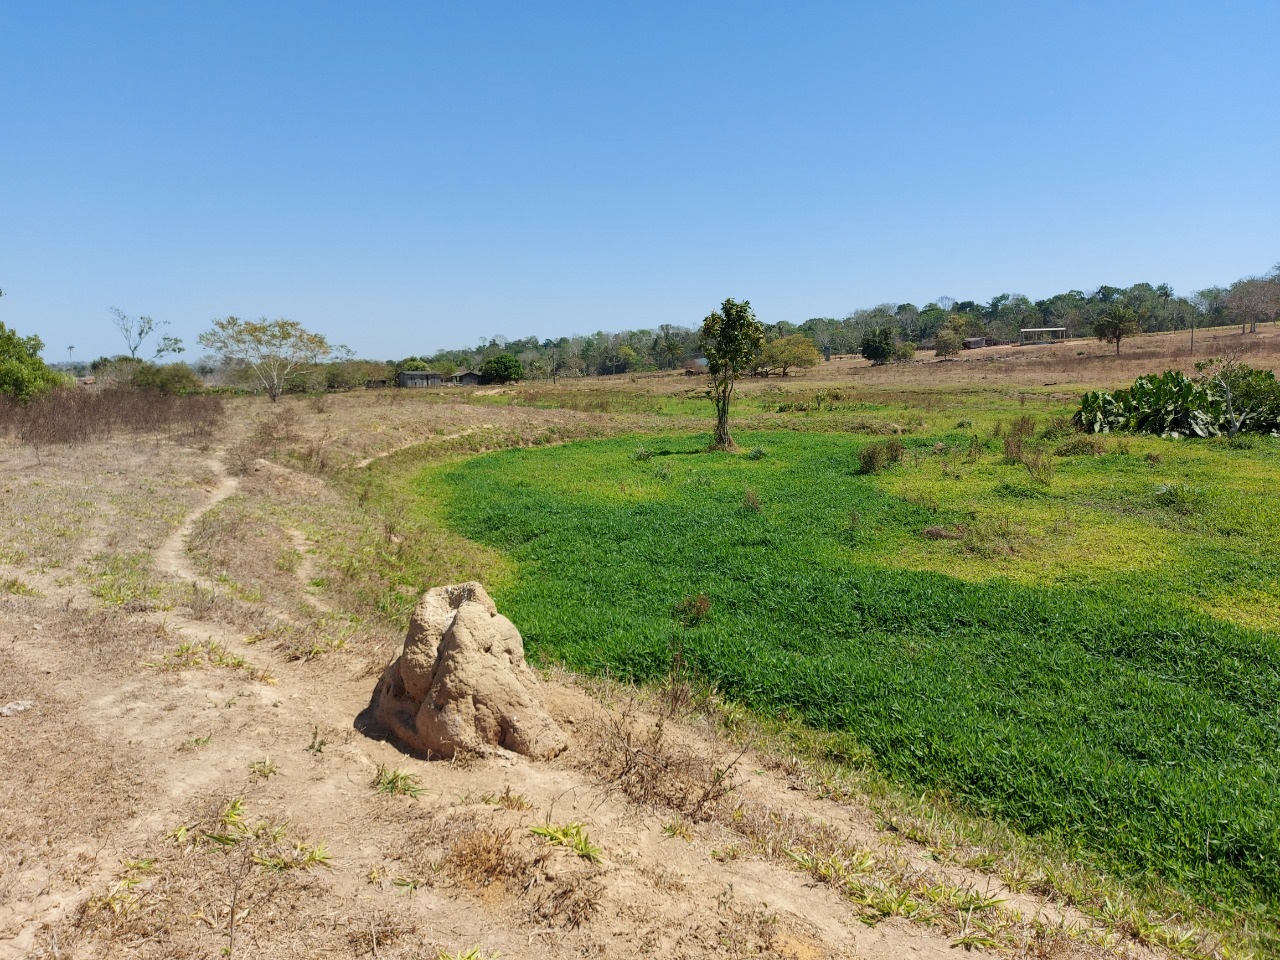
x=418 y=378
x=974 y=343
x=465 y=378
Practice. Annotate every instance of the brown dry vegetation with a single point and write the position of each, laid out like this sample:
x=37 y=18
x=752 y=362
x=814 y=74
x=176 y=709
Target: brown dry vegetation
x=198 y=619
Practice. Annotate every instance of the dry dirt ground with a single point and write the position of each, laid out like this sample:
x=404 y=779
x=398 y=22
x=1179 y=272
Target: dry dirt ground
x=187 y=780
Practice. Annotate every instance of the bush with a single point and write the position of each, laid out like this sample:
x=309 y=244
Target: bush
x=73 y=415
x=23 y=374
x=1229 y=398
x=642 y=454
x=171 y=378
x=757 y=453
x=874 y=458
x=1081 y=445
x=1057 y=428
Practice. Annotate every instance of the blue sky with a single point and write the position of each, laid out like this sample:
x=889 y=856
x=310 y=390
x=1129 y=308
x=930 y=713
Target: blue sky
x=404 y=177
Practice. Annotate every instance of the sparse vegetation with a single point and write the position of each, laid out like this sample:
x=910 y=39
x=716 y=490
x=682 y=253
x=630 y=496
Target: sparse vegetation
x=573 y=836
x=397 y=782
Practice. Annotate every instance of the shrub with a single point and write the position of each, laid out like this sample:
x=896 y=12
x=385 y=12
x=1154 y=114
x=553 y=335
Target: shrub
x=1012 y=449
x=893 y=450
x=642 y=454
x=1040 y=465
x=1057 y=428
x=691 y=611
x=877 y=346
x=1179 y=497
x=1081 y=445
x=23 y=374
x=873 y=458
x=1023 y=426
x=757 y=453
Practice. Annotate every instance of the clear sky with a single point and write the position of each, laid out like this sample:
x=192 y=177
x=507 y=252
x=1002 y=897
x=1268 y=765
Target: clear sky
x=404 y=177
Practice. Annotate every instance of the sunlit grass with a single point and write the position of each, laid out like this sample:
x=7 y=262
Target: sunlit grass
x=1054 y=664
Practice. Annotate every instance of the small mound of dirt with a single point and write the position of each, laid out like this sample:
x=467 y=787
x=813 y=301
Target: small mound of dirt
x=460 y=682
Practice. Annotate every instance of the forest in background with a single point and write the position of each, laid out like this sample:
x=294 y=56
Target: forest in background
x=1247 y=302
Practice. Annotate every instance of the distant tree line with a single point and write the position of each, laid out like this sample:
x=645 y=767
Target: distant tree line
x=280 y=356
x=892 y=331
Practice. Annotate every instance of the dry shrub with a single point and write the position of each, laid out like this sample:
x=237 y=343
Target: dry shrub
x=485 y=855
x=1013 y=449
x=1023 y=426
x=873 y=458
x=653 y=770
x=691 y=611
x=945 y=533
x=1082 y=444
x=1040 y=465
x=85 y=416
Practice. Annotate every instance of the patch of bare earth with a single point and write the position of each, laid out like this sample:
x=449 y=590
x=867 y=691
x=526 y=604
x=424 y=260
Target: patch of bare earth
x=189 y=783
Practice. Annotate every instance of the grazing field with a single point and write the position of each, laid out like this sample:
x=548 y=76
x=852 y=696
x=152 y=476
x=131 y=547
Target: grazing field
x=1078 y=638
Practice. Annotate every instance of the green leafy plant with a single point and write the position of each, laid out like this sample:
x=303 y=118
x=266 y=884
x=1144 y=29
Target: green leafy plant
x=573 y=836
x=397 y=782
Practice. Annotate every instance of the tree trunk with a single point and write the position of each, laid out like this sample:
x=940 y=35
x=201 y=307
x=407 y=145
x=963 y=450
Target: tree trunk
x=722 y=393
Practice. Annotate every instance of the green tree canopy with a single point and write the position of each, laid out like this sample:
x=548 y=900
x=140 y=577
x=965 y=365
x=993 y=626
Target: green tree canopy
x=501 y=368
x=23 y=374
x=795 y=350
x=1116 y=324
x=731 y=338
x=877 y=345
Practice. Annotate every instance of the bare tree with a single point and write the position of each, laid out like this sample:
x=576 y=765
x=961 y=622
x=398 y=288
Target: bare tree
x=135 y=331
x=1254 y=300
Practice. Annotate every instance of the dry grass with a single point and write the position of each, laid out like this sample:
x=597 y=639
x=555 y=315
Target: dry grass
x=636 y=756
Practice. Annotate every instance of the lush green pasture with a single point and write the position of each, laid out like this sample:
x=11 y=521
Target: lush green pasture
x=1095 y=659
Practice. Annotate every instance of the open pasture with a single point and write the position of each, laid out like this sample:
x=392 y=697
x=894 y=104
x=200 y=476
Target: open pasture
x=1080 y=640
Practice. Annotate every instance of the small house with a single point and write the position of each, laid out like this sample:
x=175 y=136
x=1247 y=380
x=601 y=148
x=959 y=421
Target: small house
x=465 y=378
x=696 y=367
x=418 y=378
x=974 y=343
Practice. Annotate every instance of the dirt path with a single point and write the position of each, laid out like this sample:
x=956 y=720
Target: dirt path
x=360 y=465
x=170 y=558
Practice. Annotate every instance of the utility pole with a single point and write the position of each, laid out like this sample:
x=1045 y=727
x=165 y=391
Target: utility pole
x=69 y=352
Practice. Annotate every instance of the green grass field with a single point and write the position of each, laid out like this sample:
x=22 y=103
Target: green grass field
x=1093 y=659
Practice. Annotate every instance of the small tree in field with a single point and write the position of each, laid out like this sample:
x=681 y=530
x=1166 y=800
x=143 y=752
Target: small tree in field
x=877 y=346
x=271 y=350
x=1115 y=325
x=784 y=353
x=502 y=368
x=947 y=343
x=731 y=338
